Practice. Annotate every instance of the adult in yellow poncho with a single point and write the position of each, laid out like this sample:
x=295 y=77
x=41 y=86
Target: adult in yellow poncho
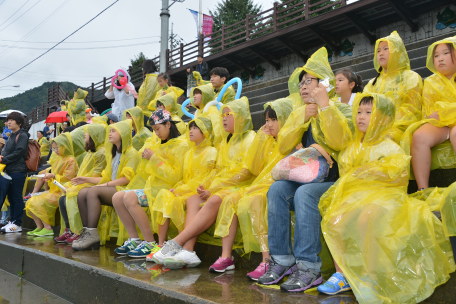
x=219 y=77
x=169 y=103
x=229 y=175
x=141 y=134
x=200 y=96
x=164 y=168
x=43 y=142
x=390 y=248
x=77 y=106
x=89 y=174
x=77 y=136
x=121 y=162
x=394 y=75
x=42 y=207
x=198 y=162
x=249 y=205
x=149 y=88
x=435 y=130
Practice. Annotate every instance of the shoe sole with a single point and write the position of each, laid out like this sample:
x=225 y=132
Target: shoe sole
x=172 y=264
x=253 y=279
x=137 y=256
x=16 y=231
x=60 y=242
x=314 y=283
x=289 y=271
x=337 y=292
x=95 y=246
x=48 y=234
x=121 y=253
x=220 y=271
x=157 y=261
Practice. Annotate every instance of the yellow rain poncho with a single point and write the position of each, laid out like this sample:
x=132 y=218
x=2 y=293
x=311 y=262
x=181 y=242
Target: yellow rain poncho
x=405 y=85
x=212 y=113
x=142 y=133
x=177 y=93
x=77 y=107
x=147 y=92
x=102 y=119
x=250 y=203
x=65 y=168
x=198 y=162
x=93 y=164
x=170 y=102
x=77 y=136
x=229 y=95
x=439 y=94
x=293 y=130
x=231 y=172
x=390 y=247
x=44 y=146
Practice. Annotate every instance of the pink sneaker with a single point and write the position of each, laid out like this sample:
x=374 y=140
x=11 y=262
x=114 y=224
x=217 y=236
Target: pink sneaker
x=258 y=272
x=71 y=239
x=222 y=264
x=66 y=235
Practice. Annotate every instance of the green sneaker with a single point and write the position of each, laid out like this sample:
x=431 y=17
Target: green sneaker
x=34 y=231
x=143 y=250
x=44 y=232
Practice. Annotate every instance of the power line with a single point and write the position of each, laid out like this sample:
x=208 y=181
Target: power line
x=61 y=41
x=73 y=49
x=14 y=12
x=21 y=15
x=84 y=41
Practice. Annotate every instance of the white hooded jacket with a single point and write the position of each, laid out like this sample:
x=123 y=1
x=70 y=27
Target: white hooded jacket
x=122 y=100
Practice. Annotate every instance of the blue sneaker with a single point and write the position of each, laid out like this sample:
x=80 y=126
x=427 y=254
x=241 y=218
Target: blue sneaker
x=336 y=284
x=143 y=250
x=127 y=246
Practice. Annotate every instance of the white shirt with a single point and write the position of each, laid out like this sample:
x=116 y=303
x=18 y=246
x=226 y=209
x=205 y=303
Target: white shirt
x=122 y=101
x=352 y=98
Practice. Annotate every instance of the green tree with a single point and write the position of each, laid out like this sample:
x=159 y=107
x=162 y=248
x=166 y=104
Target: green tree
x=138 y=60
x=228 y=12
x=285 y=9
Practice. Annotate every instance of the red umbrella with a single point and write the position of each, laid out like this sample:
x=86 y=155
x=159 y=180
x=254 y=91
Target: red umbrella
x=57 y=117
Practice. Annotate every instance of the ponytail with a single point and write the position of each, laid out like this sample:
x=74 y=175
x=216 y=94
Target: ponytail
x=375 y=80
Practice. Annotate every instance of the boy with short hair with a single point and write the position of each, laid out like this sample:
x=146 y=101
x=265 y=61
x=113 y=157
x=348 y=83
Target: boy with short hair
x=219 y=76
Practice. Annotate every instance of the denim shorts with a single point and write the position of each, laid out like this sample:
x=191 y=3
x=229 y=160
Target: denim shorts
x=142 y=198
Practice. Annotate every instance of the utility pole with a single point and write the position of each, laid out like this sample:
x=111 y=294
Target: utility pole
x=164 y=15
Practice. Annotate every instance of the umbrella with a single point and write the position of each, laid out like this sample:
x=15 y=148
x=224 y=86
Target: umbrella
x=57 y=117
x=7 y=112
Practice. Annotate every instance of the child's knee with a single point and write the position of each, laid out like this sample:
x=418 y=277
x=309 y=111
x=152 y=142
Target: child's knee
x=130 y=199
x=118 y=198
x=420 y=138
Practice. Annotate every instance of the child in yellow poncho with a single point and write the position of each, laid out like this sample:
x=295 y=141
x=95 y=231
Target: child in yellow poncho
x=121 y=162
x=164 y=169
x=248 y=206
x=394 y=75
x=198 y=162
x=89 y=174
x=43 y=142
x=165 y=87
x=169 y=103
x=388 y=248
x=436 y=131
x=42 y=206
x=141 y=134
x=149 y=88
x=77 y=137
x=77 y=106
x=229 y=175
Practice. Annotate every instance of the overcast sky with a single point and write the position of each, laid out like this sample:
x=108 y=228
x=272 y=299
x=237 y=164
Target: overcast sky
x=127 y=19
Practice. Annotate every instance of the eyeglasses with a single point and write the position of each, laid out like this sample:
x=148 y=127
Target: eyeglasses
x=306 y=81
x=225 y=114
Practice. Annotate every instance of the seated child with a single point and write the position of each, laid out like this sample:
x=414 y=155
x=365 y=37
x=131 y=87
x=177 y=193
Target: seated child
x=169 y=103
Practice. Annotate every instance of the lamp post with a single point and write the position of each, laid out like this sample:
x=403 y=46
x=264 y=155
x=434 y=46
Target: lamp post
x=14 y=86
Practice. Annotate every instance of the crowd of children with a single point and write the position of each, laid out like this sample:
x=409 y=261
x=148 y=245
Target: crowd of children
x=338 y=155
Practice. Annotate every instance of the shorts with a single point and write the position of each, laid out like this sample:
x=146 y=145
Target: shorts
x=142 y=198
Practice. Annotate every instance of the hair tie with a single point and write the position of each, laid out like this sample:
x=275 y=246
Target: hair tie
x=354 y=73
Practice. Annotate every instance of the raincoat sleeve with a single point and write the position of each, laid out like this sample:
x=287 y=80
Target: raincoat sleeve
x=447 y=112
x=165 y=169
x=69 y=172
x=110 y=95
x=258 y=154
x=78 y=107
x=132 y=161
x=410 y=110
x=293 y=130
x=337 y=126
x=229 y=95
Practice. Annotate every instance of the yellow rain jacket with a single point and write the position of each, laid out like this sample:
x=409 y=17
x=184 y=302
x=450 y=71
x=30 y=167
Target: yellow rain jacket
x=405 y=85
x=389 y=246
x=77 y=107
x=147 y=92
x=212 y=113
x=44 y=146
x=198 y=162
x=341 y=123
x=439 y=94
x=229 y=95
x=77 y=136
x=142 y=133
x=177 y=92
x=93 y=164
x=170 y=102
x=250 y=203
x=65 y=168
x=102 y=119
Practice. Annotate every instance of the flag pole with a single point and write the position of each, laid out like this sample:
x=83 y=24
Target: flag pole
x=200 y=15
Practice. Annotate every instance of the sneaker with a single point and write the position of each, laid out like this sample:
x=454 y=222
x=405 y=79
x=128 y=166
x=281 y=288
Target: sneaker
x=222 y=264
x=258 y=272
x=143 y=250
x=182 y=258
x=73 y=238
x=127 y=246
x=336 y=284
x=11 y=227
x=275 y=272
x=168 y=249
x=301 y=279
x=66 y=235
x=154 y=251
x=27 y=197
x=45 y=232
x=32 y=233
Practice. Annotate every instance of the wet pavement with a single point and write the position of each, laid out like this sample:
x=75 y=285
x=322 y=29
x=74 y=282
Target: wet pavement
x=13 y=290
x=229 y=287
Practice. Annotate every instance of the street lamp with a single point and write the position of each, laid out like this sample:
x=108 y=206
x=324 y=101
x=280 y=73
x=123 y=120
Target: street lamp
x=14 y=86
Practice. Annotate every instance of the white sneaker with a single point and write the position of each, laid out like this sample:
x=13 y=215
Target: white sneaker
x=169 y=249
x=11 y=227
x=182 y=258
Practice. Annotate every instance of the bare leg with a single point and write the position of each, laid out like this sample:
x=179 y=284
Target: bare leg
x=193 y=206
x=38 y=222
x=124 y=215
x=38 y=185
x=139 y=216
x=162 y=231
x=426 y=137
x=266 y=255
x=203 y=220
x=337 y=267
x=228 y=241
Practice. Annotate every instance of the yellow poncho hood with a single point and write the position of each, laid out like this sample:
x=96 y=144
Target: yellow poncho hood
x=77 y=136
x=142 y=134
x=205 y=125
x=242 y=118
x=208 y=95
x=64 y=143
x=398 y=57
x=97 y=132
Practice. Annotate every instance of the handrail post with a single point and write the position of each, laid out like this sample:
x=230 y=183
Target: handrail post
x=343 y=2
x=223 y=36
x=307 y=10
x=247 y=27
x=167 y=60
x=275 y=16
x=93 y=90
x=181 y=54
x=104 y=84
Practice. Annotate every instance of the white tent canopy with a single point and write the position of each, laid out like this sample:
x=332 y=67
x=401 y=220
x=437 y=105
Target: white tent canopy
x=7 y=112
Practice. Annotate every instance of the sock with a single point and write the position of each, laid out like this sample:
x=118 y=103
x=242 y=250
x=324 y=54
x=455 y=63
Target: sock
x=179 y=246
x=91 y=229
